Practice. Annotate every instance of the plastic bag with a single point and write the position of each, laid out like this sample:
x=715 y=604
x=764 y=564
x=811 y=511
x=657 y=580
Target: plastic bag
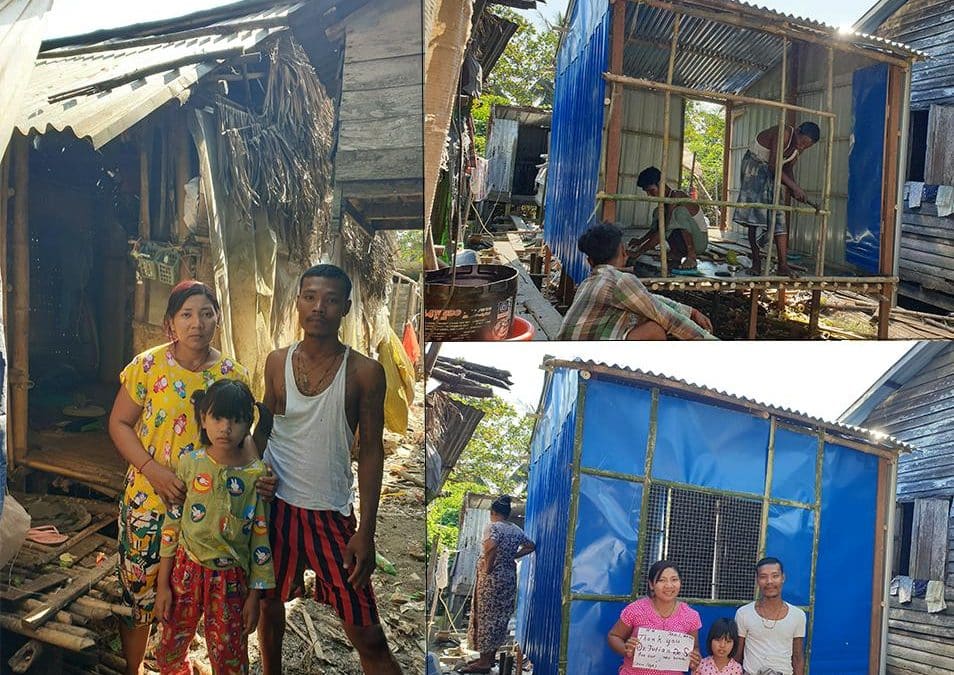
x=399 y=373
x=14 y=524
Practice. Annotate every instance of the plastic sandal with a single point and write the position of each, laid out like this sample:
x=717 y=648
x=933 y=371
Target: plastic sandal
x=46 y=534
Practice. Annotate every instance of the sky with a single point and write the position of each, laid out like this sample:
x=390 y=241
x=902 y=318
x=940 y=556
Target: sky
x=821 y=379
x=75 y=17
x=840 y=13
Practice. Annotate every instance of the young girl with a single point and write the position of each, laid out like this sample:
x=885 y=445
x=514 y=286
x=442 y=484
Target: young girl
x=723 y=639
x=218 y=540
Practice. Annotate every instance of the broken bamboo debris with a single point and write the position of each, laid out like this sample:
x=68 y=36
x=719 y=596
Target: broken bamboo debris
x=64 y=596
x=50 y=634
x=24 y=657
x=94 y=604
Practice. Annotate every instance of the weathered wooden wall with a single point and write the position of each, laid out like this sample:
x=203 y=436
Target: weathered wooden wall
x=926 y=25
x=927 y=256
x=922 y=413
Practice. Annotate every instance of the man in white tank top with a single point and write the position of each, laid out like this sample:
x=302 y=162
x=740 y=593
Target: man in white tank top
x=320 y=393
x=771 y=631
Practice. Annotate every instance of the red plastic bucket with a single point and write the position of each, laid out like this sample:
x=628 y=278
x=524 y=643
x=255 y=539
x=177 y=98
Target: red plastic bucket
x=521 y=331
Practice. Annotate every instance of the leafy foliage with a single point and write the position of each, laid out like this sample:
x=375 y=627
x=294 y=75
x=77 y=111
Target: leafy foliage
x=481 y=114
x=525 y=72
x=494 y=462
x=705 y=129
x=409 y=257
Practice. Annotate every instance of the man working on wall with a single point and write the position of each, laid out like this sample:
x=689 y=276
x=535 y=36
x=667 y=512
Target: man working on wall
x=686 y=225
x=614 y=305
x=321 y=393
x=771 y=631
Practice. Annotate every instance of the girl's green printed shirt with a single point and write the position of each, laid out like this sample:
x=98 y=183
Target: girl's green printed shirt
x=223 y=523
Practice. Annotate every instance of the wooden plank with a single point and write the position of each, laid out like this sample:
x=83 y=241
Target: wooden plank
x=66 y=595
x=15 y=594
x=929 y=539
x=916 y=656
x=545 y=314
x=937 y=647
x=391 y=132
x=939 y=162
x=384 y=73
x=379 y=164
x=404 y=103
x=383 y=30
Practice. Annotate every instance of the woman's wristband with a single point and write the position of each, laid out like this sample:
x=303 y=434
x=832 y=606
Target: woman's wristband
x=140 y=468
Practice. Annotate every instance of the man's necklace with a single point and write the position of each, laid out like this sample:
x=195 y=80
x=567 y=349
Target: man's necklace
x=766 y=620
x=307 y=388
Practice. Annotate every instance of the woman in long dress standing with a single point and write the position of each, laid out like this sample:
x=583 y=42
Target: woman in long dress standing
x=495 y=592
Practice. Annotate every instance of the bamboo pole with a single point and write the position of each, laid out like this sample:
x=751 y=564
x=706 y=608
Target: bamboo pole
x=726 y=164
x=50 y=634
x=707 y=95
x=661 y=209
x=780 y=146
x=614 y=122
x=734 y=14
x=712 y=202
x=829 y=154
x=139 y=300
x=20 y=279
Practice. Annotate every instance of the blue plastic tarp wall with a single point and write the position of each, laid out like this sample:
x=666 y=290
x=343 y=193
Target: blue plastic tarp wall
x=869 y=98
x=704 y=444
x=539 y=607
x=577 y=133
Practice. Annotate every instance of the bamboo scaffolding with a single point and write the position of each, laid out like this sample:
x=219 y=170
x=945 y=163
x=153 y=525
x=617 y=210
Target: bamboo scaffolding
x=708 y=95
x=777 y=177
x=667 y=105
x=614 y=118
x=829 y=153
x=711 y=202
x=20 y=280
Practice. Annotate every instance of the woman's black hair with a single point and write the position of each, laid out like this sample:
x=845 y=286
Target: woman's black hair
x=501 y=505
x=722 y=628
x=811 y=130
x=658 y=568
x=230 y=399
x=182 y=292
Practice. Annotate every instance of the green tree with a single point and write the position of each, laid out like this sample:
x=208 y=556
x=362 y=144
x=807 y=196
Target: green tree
x=494 y=462
x=409 y=257
x=525 y=72
x=705 y=129
x=481 y=114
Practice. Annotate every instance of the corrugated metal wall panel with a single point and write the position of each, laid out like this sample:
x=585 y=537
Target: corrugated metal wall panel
x=576 y=140
x=642 y=147
x=747 y=122
x=501 y=150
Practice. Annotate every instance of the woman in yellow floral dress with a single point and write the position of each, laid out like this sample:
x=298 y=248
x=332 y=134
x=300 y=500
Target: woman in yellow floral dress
x=152 y=424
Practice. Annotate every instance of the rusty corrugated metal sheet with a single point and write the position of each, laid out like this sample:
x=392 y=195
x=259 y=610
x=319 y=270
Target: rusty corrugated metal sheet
x=22 y=24
x=102 y=116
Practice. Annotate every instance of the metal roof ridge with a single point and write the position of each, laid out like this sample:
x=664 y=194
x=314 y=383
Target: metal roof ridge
x=871 y=436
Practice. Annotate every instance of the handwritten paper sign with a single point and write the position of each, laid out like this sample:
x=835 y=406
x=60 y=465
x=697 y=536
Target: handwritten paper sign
x=663 y=650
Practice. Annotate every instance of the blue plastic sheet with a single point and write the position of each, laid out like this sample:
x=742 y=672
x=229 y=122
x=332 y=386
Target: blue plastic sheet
x=540 y=586
x=869 y=96
x=587 y=649
x=702 y=444
x=793 y=473
x=709 y=614
x=577 y=134
x=789 y=538
x=604 y=555
x=844 y=576
x=615 y=427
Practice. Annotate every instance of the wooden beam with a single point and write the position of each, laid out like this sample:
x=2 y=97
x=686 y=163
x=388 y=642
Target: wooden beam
x=20 y=280
x=614 y=123
x=879 y=573
x=5 y=279
x=139 y=300
x=889 y=203
x=667 y=103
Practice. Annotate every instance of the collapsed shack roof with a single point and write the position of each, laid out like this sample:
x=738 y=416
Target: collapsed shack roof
x=839 y=430
x=458 y=376
x=101 y=84
x=727 y=45
x=490 y=38
x=524 y=115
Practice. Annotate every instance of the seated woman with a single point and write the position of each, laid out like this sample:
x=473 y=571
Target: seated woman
x=686 y=225
x=661 y=610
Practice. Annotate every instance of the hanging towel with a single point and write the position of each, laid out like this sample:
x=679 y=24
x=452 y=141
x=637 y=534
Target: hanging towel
x=945 y=200
x=915 y=190
x=935 y=597
x=920 y=588
x=905 y=588
x=895 y=585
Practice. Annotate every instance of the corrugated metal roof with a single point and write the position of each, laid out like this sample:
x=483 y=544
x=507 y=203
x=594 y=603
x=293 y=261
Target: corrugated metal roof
x=102 y=116
x=22 y=22
x=867 y=436
x=723 y=57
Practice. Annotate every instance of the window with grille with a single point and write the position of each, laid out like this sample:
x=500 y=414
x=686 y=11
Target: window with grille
x=714 y=539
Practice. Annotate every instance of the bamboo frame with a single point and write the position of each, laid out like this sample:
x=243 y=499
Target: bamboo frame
x=140 y=298
x=726 y=163
x=713 y=202
x=614 y=125
x=707 y=95
x=829 y=155
x=889 y=207
x=20 y=273
x=667 y=106
x=767 y=496
x=779 y=156
x=816 y=536
x=647 y=484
